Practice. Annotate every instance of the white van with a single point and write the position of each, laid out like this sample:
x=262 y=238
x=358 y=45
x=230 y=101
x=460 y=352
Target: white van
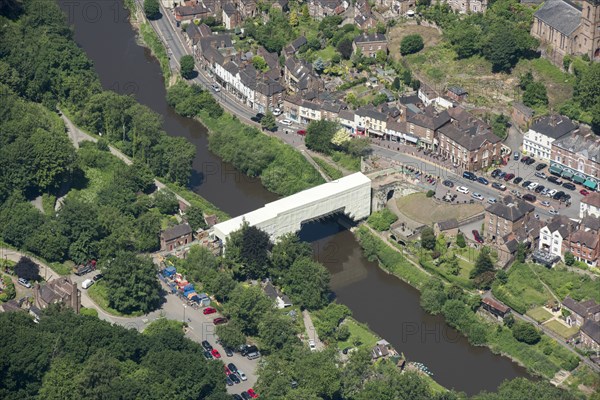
x=87 y=283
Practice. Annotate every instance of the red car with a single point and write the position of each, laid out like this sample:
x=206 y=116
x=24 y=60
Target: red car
x=477 y=237
x=508 y=177
x=215 y=353
x=209 y=310
x=252 y=393
x=301 y=132
x=219 y=321
x=584 y=192
x=227 y=371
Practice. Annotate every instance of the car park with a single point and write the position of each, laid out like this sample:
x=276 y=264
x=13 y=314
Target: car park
x=529 y=197
x=477 y=236
x=219 y=320
x=517 y=180
x=206 y=345
x=469 y=175
x=24 y=282
x=498 y=186
x=516 y=155
x=508 y=177
x=462 y=189
x=541 y=175
x=540 y=166
x=476 y=196
x=569 y=186
x=209 y=310
x=483 y=181
x=545 y=203
x=448 y=183
x=285 y=122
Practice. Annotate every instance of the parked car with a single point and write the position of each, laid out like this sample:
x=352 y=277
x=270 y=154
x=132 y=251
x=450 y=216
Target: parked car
x=207 y=355
x=277 y=112
x=492 y=200
x=569 y=186
x=517 y=180
x=516 y=155
x=258 y=117
x=530 y=161
x=237 y=397
x=232 y=368
x=540 y=166
x=285 y=122
x=219 y=320
x=87 y=283
x=24 y=282
x=477 y=196
x=565 y=198
x=529 y=197
x=501 y=175
x=498 y=186
x=523 y=159
x=552 y=211
x=545 y=203
x=246 y=396
x=252 y=393
x=525 y=184
x=555 y=180
x=584 y=192
x=541 y=175
x=311 y=345
x=228 y=380
x=477 y=236
x=483 y=181
x=551 y=192
x=215 y=87
x=539 y=189
x=462 y=189
x=206 y=345
x=209 y=310
x=469 y=175
x=533 y=185
x=242 y=375
x=508 y=177
x=301 y=132
x=544 y=192
x=97 y=277
x=215 y=353
x=558 y=195
x=228 y=351
x=234 y=378
x=448 y=183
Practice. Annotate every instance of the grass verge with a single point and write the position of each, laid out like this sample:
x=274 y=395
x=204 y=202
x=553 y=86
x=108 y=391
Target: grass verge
x=330 y=170
x=153 y=42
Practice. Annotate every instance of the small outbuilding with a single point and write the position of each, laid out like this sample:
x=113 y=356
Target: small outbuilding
x=178 y=235
x=495 y=308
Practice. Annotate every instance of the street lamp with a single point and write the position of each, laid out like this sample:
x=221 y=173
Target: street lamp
x=184 y=307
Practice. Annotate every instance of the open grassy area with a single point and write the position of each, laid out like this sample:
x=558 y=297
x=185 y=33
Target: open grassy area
x=431 y=36
x=565 y=283
x=523 y=290
x=64 y=269
x=561 y=329
x=358 y=332
x=331 y=171
x=540 y=314
x=426 y=210
x=98 y=292
x=346 y=161
x=327 y=53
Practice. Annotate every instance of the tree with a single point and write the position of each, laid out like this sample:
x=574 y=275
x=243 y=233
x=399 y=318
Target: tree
x=411 y=44
x=269 y=122
x=396 y=84
x=428 y=238
x=166 y=202
x=344 y=46
x=319 y=135
x=276 y=331
x=151 y=9
x=569 y=258
x=260 y=64
x=187 y=65
x=25 y=268
x=460 y=240
x=535 y=95
x=433 y=296
x=319 y=65
x=293 y=18
x=48 y=241
x=525 y=332
x=483 y=263
x=381 y=28
x=500 y=124
x=358 y=147
x=587 y=87
x=521 y=252
x=247 y=307
x=453 y=265
x=525 y=80
x=195 y=217
x=131 y=283
x=305 y=13
x=307 y=283
x=231 y=335
x=465 y=38
x=502 y=276
x=249 y=246
x=381 y=57
x=288 y=249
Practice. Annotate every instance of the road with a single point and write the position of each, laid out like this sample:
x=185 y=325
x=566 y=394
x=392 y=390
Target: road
x=311 y=332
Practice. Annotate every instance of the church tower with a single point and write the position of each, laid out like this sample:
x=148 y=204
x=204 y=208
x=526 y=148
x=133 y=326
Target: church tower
x=589 y=37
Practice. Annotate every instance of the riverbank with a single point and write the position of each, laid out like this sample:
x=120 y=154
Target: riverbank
x=544 y=358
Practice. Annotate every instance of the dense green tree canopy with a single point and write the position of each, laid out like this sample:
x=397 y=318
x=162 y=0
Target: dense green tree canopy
x=186 y=63
x=151 y=9
x=319 y=135
x=307 y=283
x=411 y=44
x=248 y=306
x=249 y=246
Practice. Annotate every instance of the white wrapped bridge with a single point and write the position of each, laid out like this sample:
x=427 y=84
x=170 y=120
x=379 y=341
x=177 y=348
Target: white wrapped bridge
x=350 y=195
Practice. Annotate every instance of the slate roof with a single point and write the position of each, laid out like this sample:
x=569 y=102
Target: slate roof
x=553 y=126
x=523 y=109
x=191 y=10
x=176 y=231
x=560 y=15
x=457 y=90
x=430 y=118
x=512 y=209
x=496 y=305
x=193 y=32
x=590 y=222
x=592 y=329
x=592 y=199
x=371 y=113
x=269 y=87
x=396 y=126
x=471 y=138
x=346 y=114
x=331 y=107
x=583 y=143
x=229 y=9
x=311 y=105
x=587 y=238
x=562 y=224
x=370 y=38
x=583 y=308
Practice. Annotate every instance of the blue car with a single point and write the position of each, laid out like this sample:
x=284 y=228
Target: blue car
x=469 y=175
x=483 y=181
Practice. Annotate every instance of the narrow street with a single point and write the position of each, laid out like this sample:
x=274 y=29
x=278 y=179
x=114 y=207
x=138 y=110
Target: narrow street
x=311 y=331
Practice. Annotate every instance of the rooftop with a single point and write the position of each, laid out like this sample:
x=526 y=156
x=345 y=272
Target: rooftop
x=560 y=15
x=369 y=38
x=553 y=126
x=582 y=142
x=592 y=199
x=592 y=329
x=176 y=231
x=511 y=209
x=583 y=308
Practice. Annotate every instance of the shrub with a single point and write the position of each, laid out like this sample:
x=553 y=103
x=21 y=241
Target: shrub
x=526 y=333
x=430 y=193
x=460 y=241
x=381 y=220
x=411 y=44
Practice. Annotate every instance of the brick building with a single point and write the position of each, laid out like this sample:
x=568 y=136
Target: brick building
x=370 y=44
x=60 y=290
x=577 y=157
x=508 y=215
x=176 y=236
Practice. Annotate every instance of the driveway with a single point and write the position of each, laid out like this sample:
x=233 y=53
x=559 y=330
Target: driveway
x=311 y=332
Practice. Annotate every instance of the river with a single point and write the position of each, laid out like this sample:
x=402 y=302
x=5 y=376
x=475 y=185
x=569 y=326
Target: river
x=389 y=306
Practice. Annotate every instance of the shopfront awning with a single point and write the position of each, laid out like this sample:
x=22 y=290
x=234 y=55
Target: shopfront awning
x=555 y=169
x=590 y=184
x=578 y=179
x=410 y=138
x=567 y=174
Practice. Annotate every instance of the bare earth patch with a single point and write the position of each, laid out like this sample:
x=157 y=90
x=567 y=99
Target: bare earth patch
x=431 y=37
x=427 y=210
